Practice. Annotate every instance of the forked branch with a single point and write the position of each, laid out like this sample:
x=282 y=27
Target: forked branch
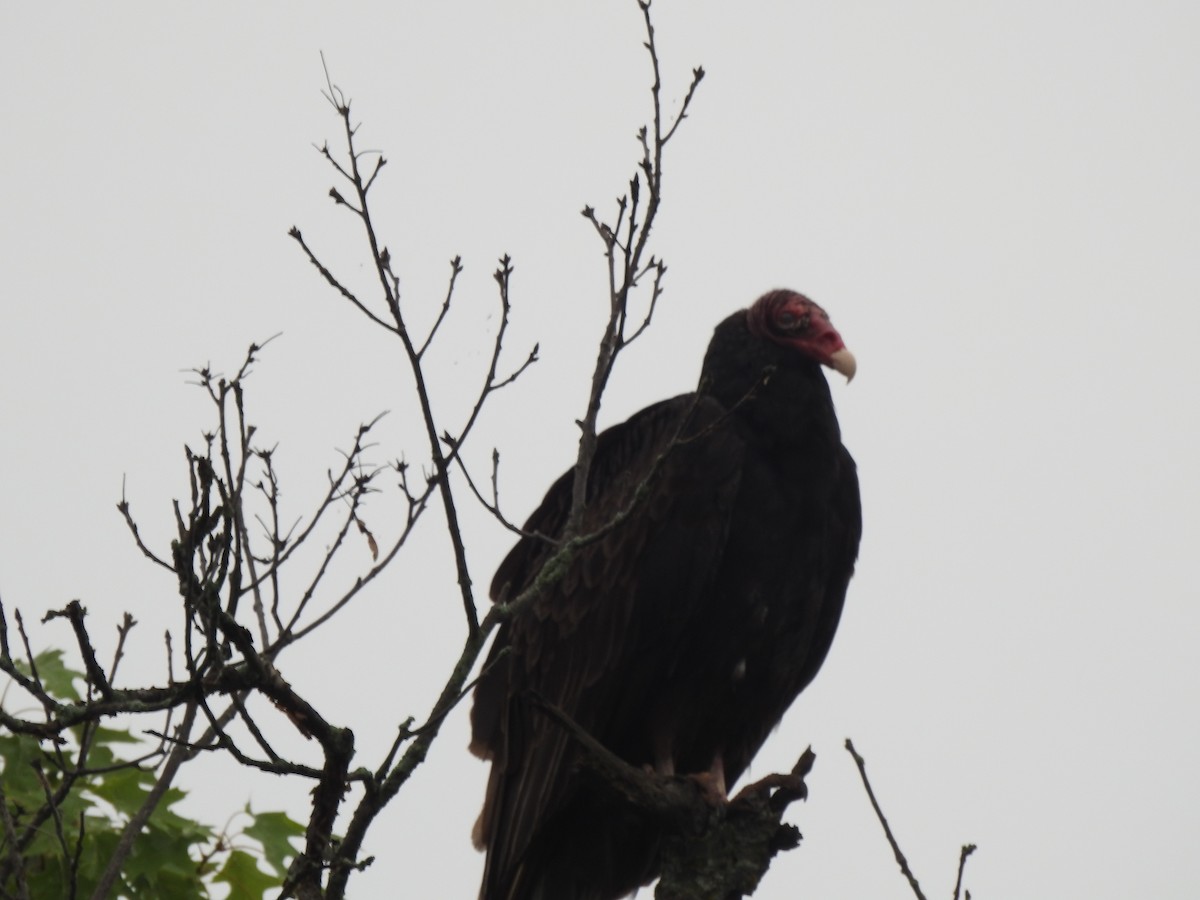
x=625 y=242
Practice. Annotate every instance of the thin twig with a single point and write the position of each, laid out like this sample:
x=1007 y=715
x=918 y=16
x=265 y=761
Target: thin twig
x=34 y=683
x=903 y=863
x=75 y=613
x=77 y=857
x=337 y=489
x=623 y=277
x=440 y=463
x=138 y=820
x=493 y=505
x=4 y=651
x=337 y=285
x=967 y=850
x=52 y=803
x=127 y=623
x=455 y=270
x=16 y=864
x=123 y=509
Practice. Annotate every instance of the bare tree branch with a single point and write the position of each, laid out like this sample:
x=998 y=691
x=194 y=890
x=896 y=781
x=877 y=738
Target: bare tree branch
x=455 y=270
x=75 y=612
x=138 y=820
x=624 y=272
x=967 y=850
x=15 y=862
x=231 y=648
x=900 y=860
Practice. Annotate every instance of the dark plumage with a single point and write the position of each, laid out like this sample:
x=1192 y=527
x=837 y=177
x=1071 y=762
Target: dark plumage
x=680 y=638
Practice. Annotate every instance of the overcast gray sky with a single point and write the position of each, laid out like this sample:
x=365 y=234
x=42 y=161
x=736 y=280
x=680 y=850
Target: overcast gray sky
x=999 y=204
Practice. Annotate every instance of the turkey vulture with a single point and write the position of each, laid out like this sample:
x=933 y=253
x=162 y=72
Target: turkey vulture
x=680 y=637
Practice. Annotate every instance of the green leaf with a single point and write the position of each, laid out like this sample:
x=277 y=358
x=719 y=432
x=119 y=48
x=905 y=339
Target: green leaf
x=245 y=879
x=274 y=831
x=158 y=854
x=125 y=789
x=167 y=819
x=58 y=680
x=103 y=735
x=101 y=757
x=21 y=785
x=164 y=861
x=99 y=843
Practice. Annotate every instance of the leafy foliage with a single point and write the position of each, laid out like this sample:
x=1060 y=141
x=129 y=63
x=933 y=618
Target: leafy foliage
x=68 y=802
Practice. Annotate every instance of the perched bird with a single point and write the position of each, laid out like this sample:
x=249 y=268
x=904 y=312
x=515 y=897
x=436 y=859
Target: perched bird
x=679 y=637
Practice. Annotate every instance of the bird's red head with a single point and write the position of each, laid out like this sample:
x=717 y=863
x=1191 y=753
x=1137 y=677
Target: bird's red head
x=791 y=319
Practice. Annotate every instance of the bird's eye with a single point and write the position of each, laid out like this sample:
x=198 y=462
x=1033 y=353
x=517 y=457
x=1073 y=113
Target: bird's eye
x=790 y=323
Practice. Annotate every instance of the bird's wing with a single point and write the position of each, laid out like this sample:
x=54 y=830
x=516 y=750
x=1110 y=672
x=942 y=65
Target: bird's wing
x=843 y=530
x=598 y=641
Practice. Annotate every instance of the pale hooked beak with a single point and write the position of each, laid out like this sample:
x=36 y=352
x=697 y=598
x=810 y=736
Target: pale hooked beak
x=843 y=361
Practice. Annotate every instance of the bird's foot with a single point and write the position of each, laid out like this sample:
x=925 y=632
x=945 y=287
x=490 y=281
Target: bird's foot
x=711 y=784
x=790 y=783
